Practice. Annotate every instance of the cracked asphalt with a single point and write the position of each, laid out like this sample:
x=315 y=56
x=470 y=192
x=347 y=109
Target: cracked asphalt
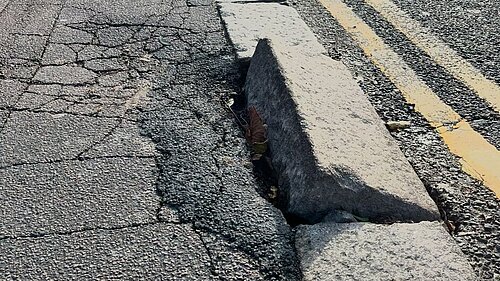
x=118 y=156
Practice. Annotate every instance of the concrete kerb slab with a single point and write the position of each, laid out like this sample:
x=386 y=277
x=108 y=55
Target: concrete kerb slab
x=248 y=22
x=330 y=148
x=332 y=151
x=364 y=251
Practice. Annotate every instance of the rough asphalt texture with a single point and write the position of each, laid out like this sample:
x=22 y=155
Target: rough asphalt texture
x=470 y=27
x=118 y=157
x=473 y=210
x=464 y=101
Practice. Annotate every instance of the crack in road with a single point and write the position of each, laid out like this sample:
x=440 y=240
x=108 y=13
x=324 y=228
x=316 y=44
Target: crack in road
x=119 y=125
x=77 y=158
x=66 y=233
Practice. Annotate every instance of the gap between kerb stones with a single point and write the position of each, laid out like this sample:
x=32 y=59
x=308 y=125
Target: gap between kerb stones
x=265 y=174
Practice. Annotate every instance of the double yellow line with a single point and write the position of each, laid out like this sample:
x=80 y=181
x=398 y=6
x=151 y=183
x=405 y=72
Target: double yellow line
x=478 y=158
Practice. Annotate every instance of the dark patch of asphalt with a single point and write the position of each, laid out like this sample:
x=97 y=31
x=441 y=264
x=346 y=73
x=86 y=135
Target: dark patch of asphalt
x=117 y=148
x=205 y=172
x=466 y=203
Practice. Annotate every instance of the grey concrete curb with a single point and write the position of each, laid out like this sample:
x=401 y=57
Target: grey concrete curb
x=330 y=148
x=364 y=251
x=246 y=23
x=329 y=145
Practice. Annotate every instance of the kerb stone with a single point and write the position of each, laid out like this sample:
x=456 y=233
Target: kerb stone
x=363 y=251
x=328 y=145
x=246 y=23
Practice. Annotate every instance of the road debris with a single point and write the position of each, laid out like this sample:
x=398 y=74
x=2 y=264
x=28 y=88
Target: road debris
x=255 y=133
x=397 y=125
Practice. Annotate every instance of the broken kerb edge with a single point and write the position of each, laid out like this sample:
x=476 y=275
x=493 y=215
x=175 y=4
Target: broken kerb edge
x=329 y=147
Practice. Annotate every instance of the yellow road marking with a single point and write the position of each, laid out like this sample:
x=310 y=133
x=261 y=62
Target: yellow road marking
x=479 y=158
x=439 y=51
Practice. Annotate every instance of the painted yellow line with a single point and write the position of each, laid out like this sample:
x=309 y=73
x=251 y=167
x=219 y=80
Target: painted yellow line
x=479 y=158
x=439 y=51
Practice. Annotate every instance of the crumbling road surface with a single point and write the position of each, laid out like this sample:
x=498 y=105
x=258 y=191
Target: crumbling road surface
x=118 y=158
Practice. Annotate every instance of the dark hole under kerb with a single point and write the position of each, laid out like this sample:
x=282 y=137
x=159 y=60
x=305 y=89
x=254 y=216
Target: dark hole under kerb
x=265 y=174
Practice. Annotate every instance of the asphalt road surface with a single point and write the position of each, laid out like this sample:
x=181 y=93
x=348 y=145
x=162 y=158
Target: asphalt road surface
x=119 y=158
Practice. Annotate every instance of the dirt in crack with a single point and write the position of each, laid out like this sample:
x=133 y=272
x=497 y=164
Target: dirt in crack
x=255 y=131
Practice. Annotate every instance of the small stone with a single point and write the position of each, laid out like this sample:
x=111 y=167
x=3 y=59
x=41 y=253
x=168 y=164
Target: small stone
x=488 y=227
x=273 y=192
x=397 y=125
x=339 y=216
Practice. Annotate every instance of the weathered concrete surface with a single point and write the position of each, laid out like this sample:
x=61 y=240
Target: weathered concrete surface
x=329 y=146
x=363 y=251
x=247 y=23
